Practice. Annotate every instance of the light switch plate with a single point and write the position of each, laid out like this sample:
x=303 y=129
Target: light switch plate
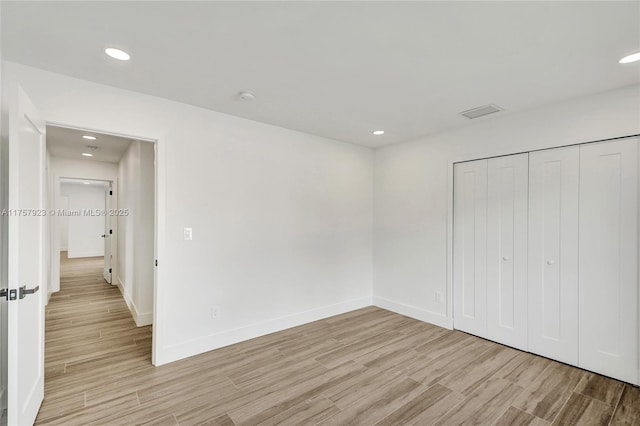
x=188 y=234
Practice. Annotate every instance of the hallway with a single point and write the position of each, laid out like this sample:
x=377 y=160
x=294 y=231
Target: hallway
x=90 y=340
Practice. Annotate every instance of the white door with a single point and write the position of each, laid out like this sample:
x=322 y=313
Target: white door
x=469 y=247
x=507 y=250
x=608 y=264
x=27 y=228
x=108 y=235
x=553 y=253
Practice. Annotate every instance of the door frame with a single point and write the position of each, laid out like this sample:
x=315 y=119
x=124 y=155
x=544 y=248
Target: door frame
x=56 y=247
x=159 y=225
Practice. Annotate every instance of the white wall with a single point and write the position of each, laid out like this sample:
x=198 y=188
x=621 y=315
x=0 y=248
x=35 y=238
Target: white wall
x=136 y=230
x=63 y=221
x=84 y=231
x=282 y=220
x=75 y=169
x=413 y=190
x=145 y=226
x=126 y=196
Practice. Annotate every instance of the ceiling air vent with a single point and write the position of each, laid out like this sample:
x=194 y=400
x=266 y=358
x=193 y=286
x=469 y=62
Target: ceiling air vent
x=480 y=111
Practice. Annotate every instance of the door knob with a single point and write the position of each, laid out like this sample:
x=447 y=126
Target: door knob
x=550 y=262
x=505 y=258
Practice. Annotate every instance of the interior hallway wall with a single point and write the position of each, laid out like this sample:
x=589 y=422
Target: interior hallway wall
x=64 y=224
x=136 y=230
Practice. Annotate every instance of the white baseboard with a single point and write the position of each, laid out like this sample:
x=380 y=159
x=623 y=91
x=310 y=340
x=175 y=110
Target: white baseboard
x=414 y=312
x=141 y=319
x=75 y=255
x=225 y=338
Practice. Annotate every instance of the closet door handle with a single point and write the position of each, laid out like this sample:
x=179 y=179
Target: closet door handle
x=505 y=258
x=550 y=262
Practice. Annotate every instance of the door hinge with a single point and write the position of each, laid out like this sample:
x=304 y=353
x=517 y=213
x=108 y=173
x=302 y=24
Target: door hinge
x=156 y=262
x=110 y=192
x=110 y=231
x=109 y=270
x=9 y=294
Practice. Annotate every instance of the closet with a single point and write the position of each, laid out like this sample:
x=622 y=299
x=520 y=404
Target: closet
x=545 y=254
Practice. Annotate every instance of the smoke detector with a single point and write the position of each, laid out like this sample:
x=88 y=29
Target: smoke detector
x=481 y=111
x=246 y=96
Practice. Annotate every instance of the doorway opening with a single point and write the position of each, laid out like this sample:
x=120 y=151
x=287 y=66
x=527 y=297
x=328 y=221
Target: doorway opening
x=85 y=221
x=103 y=250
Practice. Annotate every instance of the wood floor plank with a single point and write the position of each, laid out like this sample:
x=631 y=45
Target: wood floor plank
x=628 y=408
x=601 y=388
x=223 y=420
x=348 y=352
x=514 y=416
x=382 y=402
x=273 y=404
x=478 y=370
x=368 y=366
x=545 y=396
x=583 y=410
x=424 y=409
x=433 y=371
x=359 y=387
x=309 y=412
x=523 y=369
x=485 y=405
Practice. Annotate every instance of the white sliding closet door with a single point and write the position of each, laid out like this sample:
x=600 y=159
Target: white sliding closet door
x=507 y=250
x=608 y=300
x=469 y=247
x=553 y=253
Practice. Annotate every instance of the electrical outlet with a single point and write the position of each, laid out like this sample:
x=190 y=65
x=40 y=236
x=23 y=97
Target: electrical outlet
x=214 y=312
x=439 y=297
x=188 y=234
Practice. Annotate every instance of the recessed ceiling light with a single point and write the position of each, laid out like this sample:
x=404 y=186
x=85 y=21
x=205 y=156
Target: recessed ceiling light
x=87 y=183
x=630 y=58
x=91 y=138
x=118 y=54
x=378 y=132
x=86 y=154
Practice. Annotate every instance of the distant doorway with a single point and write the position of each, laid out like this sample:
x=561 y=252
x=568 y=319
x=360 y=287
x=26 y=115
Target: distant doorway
x=85 y=223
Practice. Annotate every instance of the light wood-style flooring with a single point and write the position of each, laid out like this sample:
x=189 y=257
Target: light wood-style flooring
x=368 y=367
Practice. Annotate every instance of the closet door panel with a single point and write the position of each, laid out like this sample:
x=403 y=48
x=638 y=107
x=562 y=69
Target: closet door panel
x=507 y=250
x=608 y=300
x=553 y=253
x=469 y=243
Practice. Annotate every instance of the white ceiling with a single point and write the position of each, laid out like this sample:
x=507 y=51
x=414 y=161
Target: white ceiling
x=337 y=69
x=68 y=143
